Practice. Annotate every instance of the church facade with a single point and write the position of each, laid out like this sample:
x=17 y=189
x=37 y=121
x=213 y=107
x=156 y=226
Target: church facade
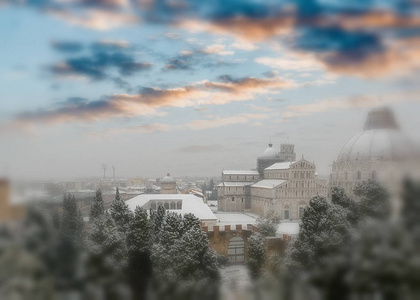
x=280 y=184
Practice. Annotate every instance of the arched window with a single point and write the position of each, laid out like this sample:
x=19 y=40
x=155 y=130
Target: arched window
x=172 y=205
x=179 y=205
x=166 y=205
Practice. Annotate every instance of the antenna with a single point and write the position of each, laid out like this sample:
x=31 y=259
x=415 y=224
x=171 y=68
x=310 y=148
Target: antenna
x=104 y=168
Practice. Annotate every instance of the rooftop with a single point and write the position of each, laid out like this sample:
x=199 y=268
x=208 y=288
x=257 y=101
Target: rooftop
x=280 y=166
x=268 y=183
x=240 y=172
x=234 y=183
x=190 y=204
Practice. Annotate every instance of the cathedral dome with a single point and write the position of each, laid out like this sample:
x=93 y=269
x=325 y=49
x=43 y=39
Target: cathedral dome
x=380 y=139
x=168 y=179
x=270 y=152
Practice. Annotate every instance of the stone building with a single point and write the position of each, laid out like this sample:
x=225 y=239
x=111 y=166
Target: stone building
x=271 y=156
x=168 y=185
x=283 y=186
x=9 y=211
x=380 y=151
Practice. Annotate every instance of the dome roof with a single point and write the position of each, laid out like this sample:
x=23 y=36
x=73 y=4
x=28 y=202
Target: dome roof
x=270 y=152
x=381 y=139
x=168 y=179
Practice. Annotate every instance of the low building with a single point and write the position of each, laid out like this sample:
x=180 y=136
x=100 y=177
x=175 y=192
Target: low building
x=178 y=203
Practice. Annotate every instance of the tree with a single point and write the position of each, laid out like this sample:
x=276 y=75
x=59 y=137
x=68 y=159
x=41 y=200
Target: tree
x=268 y=224
x=120 y=213
x=374 y=200
x=156 y=219
x=339 y=197
x=184 y=266
x=411 y=205
x=97 y=208
x=72 y=222
x=256 y=254
x=107 y=261
x=139 y=245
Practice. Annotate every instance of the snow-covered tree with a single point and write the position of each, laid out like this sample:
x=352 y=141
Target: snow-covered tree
x=374 y=200
x=256 y=254
x=72 y=222
x=97 y=208
x=267 y=225
x=120 y=212
x=156 y=219
x=139 y=248
x=339 y=197
x=107 y=261
x=410 y=213
x=184 y=265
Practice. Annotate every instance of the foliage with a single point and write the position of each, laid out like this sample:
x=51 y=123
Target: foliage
x=374 y=200
x=256 y=254
x=268 y=224
x=97 y=208
x=120 y=213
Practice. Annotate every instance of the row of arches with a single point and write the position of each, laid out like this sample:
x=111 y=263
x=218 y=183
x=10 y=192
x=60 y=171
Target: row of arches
x=166 y=204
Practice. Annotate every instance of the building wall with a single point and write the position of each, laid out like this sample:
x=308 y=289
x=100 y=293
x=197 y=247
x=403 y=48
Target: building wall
x=8 y=210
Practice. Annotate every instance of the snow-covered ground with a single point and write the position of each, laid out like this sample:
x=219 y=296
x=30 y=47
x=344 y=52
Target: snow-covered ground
x=229 y=218
x=236 y=283
x=290 y=228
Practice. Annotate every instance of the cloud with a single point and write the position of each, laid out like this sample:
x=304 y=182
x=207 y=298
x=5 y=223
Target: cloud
x=97 y=19
x=220 y=122
x=104 y=55
x=347 y=37
x=149 y=101
x=202 y=148
x=190 y=59
x=365 y=101
x=67 y=46
x=301 y=64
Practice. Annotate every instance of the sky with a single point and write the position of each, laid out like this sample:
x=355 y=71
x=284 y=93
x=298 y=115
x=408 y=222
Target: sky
x=195 y=87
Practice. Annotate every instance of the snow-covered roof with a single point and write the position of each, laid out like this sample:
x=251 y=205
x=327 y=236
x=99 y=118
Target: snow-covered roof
x=240 y=172
x=234 y=183
x=268 y=183
x=190 y=204
x=280 y=166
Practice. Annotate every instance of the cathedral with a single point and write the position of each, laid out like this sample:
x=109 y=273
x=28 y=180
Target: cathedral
x=280 y=183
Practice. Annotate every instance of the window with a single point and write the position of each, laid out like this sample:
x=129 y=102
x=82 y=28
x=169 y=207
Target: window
x=233 y=199
x=286 y=214
x=242 y=200
x=166 y=205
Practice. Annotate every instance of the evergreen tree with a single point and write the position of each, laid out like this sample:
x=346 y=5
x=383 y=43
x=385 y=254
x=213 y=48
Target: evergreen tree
x=256 y=254
x=139 y=245
x=156 y=218
x=72 y=224
x=374 y=200
x=97 y=208
x=339 y=197
x=184 y=266
x=107 y=261
x=411 y=205
x=120 y=213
